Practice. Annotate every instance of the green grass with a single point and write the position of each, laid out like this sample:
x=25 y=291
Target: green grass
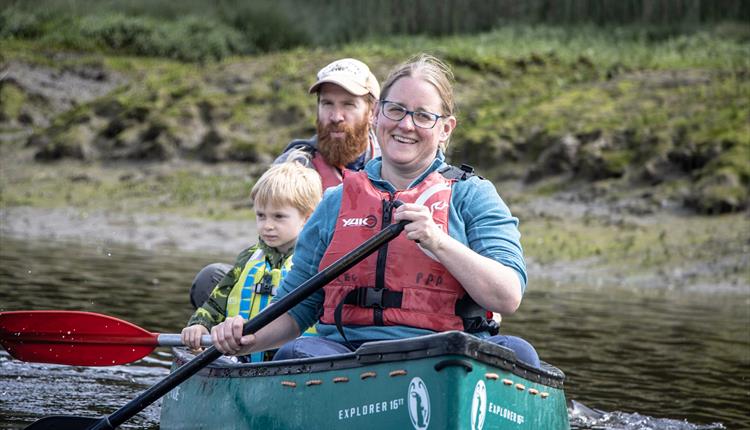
x=194 y=191
x=706 y=250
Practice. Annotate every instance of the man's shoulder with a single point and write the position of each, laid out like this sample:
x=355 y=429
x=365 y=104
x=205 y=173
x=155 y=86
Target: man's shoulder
x=301 y=150
x=310 y=144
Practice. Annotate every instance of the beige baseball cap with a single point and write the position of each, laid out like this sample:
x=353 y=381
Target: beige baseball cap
x=352 y=75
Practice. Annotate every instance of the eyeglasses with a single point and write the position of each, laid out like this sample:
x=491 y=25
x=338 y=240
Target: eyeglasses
x=421 y=119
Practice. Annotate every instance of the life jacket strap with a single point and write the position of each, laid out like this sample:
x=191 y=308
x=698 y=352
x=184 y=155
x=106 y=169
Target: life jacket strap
x=379 y=298
x=474 y=318
x=458 y=173
x=366 y=297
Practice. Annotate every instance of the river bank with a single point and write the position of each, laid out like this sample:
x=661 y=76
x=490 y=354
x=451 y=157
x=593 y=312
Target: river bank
x=625 y=159
x=567 y=240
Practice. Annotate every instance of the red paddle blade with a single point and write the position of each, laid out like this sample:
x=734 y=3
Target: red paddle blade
x=73 y=337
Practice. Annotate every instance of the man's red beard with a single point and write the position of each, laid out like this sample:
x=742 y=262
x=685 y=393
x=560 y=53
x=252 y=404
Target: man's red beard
x=340 y=152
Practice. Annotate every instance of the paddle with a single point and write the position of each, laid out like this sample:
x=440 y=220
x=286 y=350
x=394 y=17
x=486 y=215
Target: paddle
x=78 y=338
x=202 y=360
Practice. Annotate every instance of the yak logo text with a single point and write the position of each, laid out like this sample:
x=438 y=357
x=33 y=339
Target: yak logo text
x=369 y=221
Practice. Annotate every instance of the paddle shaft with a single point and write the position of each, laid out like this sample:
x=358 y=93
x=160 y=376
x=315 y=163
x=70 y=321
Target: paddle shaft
x=172 y=339
x=261 y=320
x=158 y=339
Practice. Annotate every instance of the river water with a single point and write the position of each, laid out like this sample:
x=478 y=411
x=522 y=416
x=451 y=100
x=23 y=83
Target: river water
x=634 y=359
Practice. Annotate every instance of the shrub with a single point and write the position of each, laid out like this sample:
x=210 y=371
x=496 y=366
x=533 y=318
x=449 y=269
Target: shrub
x=264 y=26
x=188 y=39
x=15 y=23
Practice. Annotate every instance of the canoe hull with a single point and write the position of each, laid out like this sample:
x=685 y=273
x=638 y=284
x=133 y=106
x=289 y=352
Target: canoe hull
x=426 y=387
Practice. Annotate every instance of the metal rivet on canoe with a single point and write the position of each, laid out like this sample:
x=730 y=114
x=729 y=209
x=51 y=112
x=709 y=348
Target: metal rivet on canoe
x=507 y=382
x=400 y=372
x=338 y=379
x=533 y=391
x=291 y=384
x=493 y=376
x=544 y=395
x=368 y=375
x=313 y=382
x=520 y=387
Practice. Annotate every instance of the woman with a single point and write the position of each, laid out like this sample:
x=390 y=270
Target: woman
x=458 y=259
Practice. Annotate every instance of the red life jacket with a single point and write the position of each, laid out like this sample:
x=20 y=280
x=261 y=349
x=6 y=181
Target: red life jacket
x=401 y=285
x=330 y=176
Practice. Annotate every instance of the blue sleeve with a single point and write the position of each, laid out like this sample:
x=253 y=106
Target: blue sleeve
x=311 y=245
x=490 y=229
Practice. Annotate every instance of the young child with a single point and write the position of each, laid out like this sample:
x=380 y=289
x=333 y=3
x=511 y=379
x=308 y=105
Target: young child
x=283 y=199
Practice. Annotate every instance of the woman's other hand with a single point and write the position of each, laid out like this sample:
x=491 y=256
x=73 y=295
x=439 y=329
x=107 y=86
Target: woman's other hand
x=227 y=337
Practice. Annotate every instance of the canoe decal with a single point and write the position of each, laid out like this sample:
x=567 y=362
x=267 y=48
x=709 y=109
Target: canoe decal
x=506 y=413
x=419 y=404
x=478 y=406
x=175 y=394
x=370 y=409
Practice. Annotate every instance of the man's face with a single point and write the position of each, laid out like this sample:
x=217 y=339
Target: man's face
x=343 y=124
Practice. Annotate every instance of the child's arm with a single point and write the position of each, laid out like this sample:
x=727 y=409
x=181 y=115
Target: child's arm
x=213 y=311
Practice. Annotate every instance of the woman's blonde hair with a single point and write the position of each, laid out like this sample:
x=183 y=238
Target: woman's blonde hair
x=289 y=183
x=432 y=70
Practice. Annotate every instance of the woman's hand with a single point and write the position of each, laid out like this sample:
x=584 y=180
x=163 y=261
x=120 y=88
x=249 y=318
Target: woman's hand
x=422 y=228
x=191 y=336
x=227 y=337
x=492 y=285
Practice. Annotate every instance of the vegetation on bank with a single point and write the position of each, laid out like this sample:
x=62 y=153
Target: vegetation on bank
x=605 y=112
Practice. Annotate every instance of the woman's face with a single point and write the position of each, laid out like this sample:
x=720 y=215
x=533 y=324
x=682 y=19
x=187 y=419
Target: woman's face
x=406 y=147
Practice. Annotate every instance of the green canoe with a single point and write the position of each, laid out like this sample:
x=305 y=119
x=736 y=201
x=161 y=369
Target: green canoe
x=443 y=381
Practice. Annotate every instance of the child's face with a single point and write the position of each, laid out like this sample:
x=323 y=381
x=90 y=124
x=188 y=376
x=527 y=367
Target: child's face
x=279 y=225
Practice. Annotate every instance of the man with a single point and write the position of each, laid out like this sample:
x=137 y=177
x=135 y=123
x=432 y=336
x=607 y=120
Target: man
x=347 y=93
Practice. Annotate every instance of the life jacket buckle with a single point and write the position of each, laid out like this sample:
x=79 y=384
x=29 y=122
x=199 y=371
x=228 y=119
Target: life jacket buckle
x=370 y=297
x=265 y=286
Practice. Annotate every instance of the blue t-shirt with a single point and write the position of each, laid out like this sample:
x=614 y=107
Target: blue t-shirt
x=478 y=218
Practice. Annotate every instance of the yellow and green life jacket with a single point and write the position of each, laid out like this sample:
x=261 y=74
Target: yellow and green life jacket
x=255 y=288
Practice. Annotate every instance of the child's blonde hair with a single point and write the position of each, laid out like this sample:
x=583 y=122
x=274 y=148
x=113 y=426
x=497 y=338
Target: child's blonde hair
x=289 y=183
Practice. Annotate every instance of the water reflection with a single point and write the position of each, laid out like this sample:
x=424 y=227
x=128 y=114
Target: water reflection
x=31 y=391
x=647 y=359
x=146 y=289
x=150 y=290
x=650 y=352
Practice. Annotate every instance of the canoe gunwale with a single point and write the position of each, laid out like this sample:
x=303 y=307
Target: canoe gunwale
x=451 y=343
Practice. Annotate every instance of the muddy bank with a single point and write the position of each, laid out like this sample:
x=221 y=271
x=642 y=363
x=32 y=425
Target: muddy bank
x=724 y=273
x=144 y=231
